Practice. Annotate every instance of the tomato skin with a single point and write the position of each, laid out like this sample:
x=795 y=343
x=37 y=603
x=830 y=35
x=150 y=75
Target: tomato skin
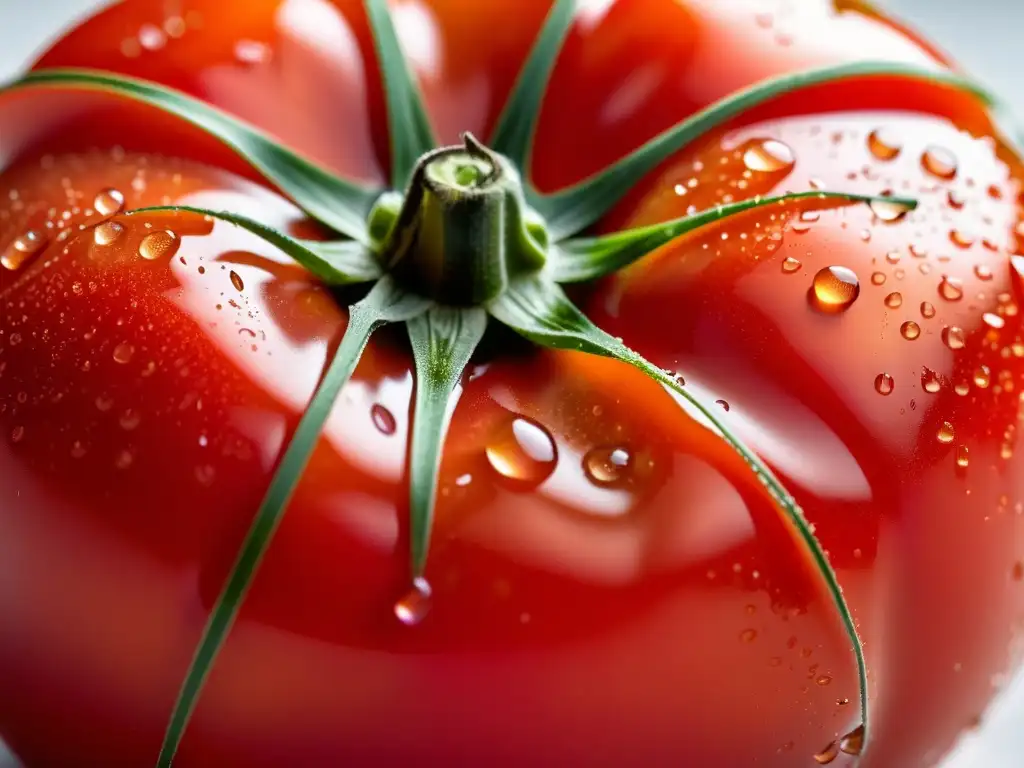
x=687 y=627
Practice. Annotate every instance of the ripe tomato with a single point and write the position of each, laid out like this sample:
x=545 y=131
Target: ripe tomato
x=610 y=583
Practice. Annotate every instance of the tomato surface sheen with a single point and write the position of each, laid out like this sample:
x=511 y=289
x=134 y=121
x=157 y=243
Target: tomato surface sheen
x=611 y=585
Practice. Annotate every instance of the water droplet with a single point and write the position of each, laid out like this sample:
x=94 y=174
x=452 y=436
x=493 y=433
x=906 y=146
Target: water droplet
x=383 y=419
x=130 y=419
x=236 y=280
x=124 y=460
x=962 y=388
x=992 y=320
x=104 y=403
x=790 y=264
x=884 y=384
x=982 y=376
x=953 y=337
x=951 y=289
x=955 y=199
x=107 y=232
x=961 y=239
x=123 y=353
x=159 y=244
x=982 y=272
x=883 y=144
x=939 y=162
x=927 y=310
x=414 y=605
x=17 y=434
x=151 y=37
x=835 y=289
x=77 y=450
x=930 y=381
x=945 y=433
x=910 y=330
x=768 y=155
x=748 y=635
x=108 y=202
x=23 y=248
x=523 y=452
x=889 y=211
x=251 y=52
x=607 y=466
x=853 y=742
x=962 y=456
x=894 y=300
x=823 y=680
x=828 y=754
x=877 y=278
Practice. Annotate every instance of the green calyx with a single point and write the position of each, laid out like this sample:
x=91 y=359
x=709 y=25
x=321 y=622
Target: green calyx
x=458 y=240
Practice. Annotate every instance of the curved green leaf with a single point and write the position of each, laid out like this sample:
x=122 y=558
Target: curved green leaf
x=443 y=340
x=384 y=304
x=340 y=262
x=513 y=135
x=408 y=126
x=574 y=209
x=587 y=258
x=542 y=313
x=342 y=205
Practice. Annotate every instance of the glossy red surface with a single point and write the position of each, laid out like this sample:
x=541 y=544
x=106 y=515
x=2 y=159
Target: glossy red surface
x=611 y=585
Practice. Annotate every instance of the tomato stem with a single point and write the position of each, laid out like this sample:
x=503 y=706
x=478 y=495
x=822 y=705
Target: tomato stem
x=462 y=230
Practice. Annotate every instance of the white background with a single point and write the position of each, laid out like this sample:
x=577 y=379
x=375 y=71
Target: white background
x=985 y=36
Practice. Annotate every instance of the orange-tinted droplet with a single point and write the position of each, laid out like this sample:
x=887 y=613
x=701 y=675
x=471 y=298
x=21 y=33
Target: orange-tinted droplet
x=884 y=384
x=883 y=144
x=415 y=604
x=853 y=742
x=939 y=162
x=156 y=245
x=962 y=456
x=768 y=156
x=894 y=300
x=982 y=377
x=790 y=265
x=108 y=202
x=828 y=754
x=927 y=310
x=930 y=381
x=23 y=248
x=961 y=239
x=945 y=433
x=982 y=272
x=954 y=337
x=835 y=289
x=522 y=452
x=910 y=330
x=951 y=289
x=877 y=278
x=107 y=232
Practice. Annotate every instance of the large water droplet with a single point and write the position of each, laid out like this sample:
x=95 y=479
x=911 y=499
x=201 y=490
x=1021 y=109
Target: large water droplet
x=107 y=232
x=939 y=162
x=108 y=202
x=383 y=419
x=23 y=248
x=768 y=156
x=945 y=434
x=883 y=144
x=927 y=310
x=607 y=466
x=522 y=452
x=953 y=337
x=414 y=605
x=828 y=754
x=156 y=245
x=910 y=330
x=894 y=300
x=951 y=289
x=236 y=281
x=930 y=381
x=982 y=376
x=884 y=384
x=835 y=289
x=853 y=742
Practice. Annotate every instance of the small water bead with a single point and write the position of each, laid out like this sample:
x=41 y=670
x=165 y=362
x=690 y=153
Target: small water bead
x=883 y=144
x=939 y=162
x=108 y=202
x=123 y=353
x=951 y=289
x=961 y=239
x=607 y=466
x=962 y=456
x=768 y=156
x=930 y=381
x=889 y=211
x=156 y=245
x=748 y=635
x=77 y=450
x=877 y=278
x=236 y=281
x=383 y=419
x=790 y=265
x=823 y=680
x=415 y=604
x=522 y=451
x=910 y=330
x=251 y=52
x=884 y=384
x=954 y=337
x=962 y=388
x=945 y=433
x=955 y=199
x=107 y=233
x=23 y=248
x=894 y=300
x=982 y=272
x=982 y=376
x=835 y=288
x=927 y=310
x=828 y=754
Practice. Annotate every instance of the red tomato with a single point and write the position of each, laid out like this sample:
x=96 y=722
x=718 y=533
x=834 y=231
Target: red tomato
x=611 y=586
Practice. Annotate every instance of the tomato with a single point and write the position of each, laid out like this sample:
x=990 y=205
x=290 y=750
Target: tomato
x=610 y=582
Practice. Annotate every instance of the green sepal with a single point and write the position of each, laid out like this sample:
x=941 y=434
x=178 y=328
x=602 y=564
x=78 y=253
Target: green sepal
x=340 y=204
x=410 y=133
x=514 y=132
x=542 y=313
x=587 y=258
x=337 y=262
x=386 y=303
x=443 y=340
x=577 y=207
